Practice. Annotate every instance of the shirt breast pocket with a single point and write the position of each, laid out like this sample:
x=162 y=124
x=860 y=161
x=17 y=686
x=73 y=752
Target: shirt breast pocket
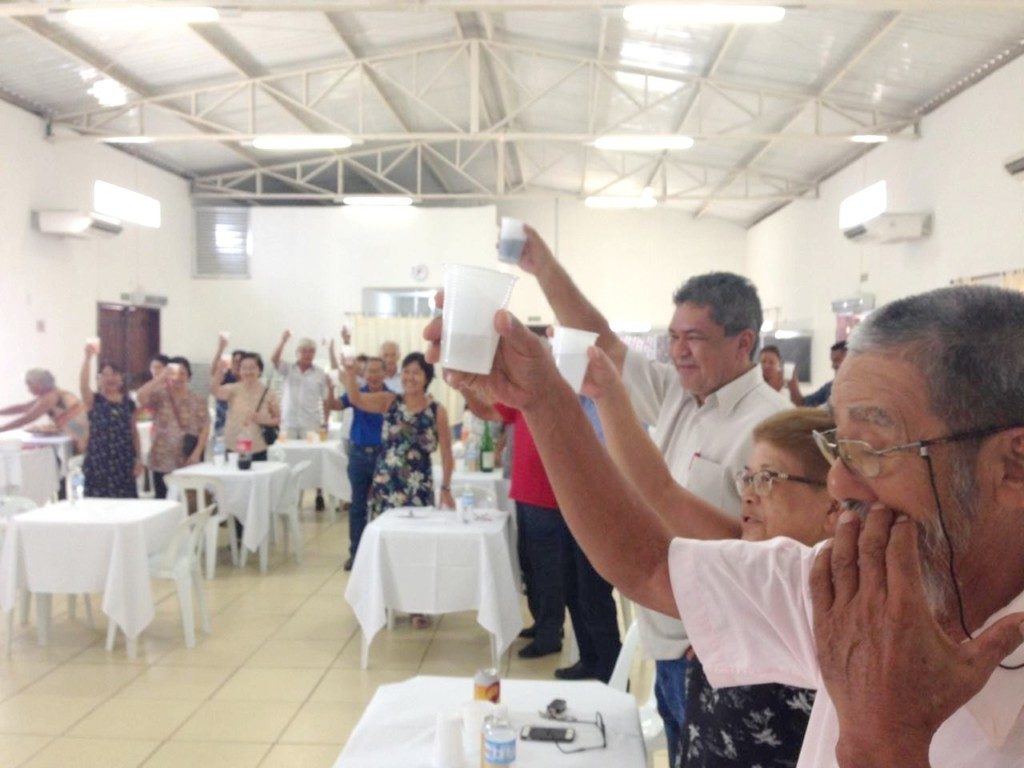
x=709 y=480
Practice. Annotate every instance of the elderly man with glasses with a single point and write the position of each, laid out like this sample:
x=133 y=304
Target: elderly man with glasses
x=909 y=621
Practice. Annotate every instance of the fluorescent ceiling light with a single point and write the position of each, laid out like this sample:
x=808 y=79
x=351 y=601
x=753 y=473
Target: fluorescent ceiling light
x=611 y=201
x=675 y=15
x=869 y=138
x=302 y=141
x=109 y=93
x=377 y=200
x=140 y=16
x=645 y=143
x=127 y=139
x=125 y=204
x=864 y=205
x=787 y=334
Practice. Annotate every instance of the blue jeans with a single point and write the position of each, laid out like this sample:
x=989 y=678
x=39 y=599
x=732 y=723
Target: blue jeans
x=362 y=460
x=670 y=693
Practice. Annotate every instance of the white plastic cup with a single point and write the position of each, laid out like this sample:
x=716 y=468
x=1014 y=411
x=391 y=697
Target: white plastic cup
x=473 y=715
x=471 y=297
x=511 y=240
x=788 y=369
x=448 y=741
x=94 y=342
x=569 y=346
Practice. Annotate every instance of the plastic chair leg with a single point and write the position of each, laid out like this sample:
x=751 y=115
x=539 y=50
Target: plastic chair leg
x=187 y=617
x=197 y=586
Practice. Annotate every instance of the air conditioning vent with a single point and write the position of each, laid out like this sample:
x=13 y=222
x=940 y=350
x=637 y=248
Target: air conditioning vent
x=223 y=243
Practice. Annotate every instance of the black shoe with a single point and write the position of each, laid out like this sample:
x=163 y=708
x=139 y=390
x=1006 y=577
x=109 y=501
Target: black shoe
x=320 y=506
x=533 y=651
x=576 y=672
x=529 y=633
x=348 y=564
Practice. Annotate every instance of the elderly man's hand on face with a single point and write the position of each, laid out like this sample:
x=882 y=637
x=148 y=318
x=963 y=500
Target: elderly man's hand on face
x=523 y=369
x=892 y=672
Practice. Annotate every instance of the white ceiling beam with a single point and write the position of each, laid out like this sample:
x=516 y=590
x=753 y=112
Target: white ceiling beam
x=32 y=8
x=889 y=21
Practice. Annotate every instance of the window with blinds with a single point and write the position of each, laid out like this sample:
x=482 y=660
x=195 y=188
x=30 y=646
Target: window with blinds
x=223 y=243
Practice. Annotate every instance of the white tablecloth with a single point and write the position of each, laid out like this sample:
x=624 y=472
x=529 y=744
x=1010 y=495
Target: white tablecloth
x=328 y=468
x=435 y=564
x=251 y=495
x=397 y=728
x=62 y=446
x=29 y=472
x=95 y=545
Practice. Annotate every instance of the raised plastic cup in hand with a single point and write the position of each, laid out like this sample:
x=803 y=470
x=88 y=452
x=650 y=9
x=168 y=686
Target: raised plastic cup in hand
x=569 y=346
x=471 y=297
x=511 y=240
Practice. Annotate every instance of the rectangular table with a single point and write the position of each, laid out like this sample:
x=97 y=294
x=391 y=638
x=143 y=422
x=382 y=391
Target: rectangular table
x=397 y=728
x=432 y=563
x=250 y=495
x=62 y=446
x=29 y=472
x=93 y=545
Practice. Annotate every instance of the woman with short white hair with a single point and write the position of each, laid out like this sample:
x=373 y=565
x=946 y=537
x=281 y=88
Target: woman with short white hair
x=64 y=409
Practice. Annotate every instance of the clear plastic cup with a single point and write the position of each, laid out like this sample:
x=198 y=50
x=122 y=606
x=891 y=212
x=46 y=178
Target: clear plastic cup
x=569 y=346
x=788 y=369
x=94 y=343
x=471 y=297
x=511 y=240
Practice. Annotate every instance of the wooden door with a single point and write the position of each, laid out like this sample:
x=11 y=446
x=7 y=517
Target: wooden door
x=129 y=337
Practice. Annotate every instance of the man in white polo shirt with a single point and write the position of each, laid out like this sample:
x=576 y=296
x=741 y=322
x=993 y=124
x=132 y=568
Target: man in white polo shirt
x=909 y=623
x=703 y=408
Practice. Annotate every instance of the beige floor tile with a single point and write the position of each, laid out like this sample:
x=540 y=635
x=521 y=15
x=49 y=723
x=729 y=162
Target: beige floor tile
x=319 y=625
x=180 y=683
x=259 y=601
x=354 y=686
x=317 y=654
x=155 y=643
x=247 y=721
x=301 y=756
x=260 y=684
x=88 y=680
x=18 y=675
x=321 y=722
x=93 y=753
x=388 y=651
x=212 y=651
x=180 y=754
x=135 y=718
x=15 y=749
x=42 y=715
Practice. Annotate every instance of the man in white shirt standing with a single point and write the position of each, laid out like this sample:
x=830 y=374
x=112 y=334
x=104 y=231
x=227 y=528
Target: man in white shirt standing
x=703 y=408
x=389 y=353
x=305 y=394
x=909 y=622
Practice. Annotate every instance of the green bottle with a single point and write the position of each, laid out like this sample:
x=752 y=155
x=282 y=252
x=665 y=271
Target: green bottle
x=487 y=449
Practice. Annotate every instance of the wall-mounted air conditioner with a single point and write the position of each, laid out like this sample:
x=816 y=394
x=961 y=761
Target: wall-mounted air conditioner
x=76 y=224
x=889 y=228
x=1015 y=166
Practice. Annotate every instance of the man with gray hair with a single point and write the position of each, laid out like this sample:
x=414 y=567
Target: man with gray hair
x=389 y=353
x=703 y=407
x=304 y=390
x=909 y=622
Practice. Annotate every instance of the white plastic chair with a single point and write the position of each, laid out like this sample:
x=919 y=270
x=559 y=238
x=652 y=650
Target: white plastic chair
x=289 y=511
x=651 y=725
x=179 y=562
x=277 y=453
x=199 y=485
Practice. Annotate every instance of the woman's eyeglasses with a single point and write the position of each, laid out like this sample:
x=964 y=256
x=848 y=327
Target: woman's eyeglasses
x=763 y=479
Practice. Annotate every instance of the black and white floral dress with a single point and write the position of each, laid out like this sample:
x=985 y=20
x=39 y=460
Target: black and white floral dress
x=110 y=452
x=403 y=477
x=749 y=726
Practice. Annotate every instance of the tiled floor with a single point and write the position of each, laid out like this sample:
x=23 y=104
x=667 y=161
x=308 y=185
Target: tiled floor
x=277 y=684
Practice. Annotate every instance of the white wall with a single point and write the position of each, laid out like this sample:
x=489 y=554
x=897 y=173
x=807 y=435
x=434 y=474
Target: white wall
x=801 y=262
x=57 y=282
x=628 y=263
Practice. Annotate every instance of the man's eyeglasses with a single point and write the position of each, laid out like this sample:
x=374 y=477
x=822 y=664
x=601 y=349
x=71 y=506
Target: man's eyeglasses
x=599 y=722
x=763 y=479
x=862 y=459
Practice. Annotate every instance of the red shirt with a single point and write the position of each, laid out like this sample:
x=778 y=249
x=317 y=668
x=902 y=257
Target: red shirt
x=530 y=483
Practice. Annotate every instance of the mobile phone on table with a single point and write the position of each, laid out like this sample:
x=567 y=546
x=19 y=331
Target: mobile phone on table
x=545 y=733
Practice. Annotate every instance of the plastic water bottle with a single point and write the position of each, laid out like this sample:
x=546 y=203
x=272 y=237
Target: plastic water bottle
x=467 y=502
x=77 y=486
x=219 y=451
x=499 y=740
